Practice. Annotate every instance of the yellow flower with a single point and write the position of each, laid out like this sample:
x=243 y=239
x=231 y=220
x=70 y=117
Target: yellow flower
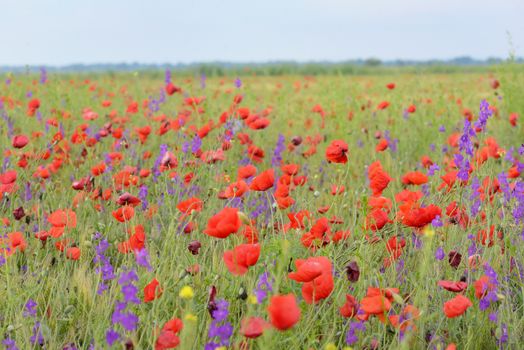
x=428 y=231
x=186 y=292
x=190 y=317
x=252 y=299
x=347 y=348
x=330 y=346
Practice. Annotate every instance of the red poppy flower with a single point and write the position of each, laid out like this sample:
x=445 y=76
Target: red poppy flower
x=350 y=308
x=241 y=257
x=263 y=181
x=414 y=216
x=383 y=105
x=456 y=306
x=337 y=152
x=318 y=236
x=382 y=145
x=453 y=286
x=378 y=178
x=408 y=196
x=414 y=178
x=375 y=304
x=308 y=270
x=32 y=106
x=60 y=220
x=152 y=291
x=376 y=220
x=223 y=223
x=190 y=204
x=73 y=253
x=284 y=312
x=20 y=141
x=247 y=171
x=15 y=242
x=482 y=286
x=290 y=169
x=253 y=327
x=128 y=199
x=171 y=89
x=168 y=338
x=316 y=286
x=124 y=213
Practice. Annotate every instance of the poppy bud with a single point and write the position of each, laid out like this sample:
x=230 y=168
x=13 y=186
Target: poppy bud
x=211 y=304
x=18 y=213
x=242 y=294
x=378 y=135
x=296 y=140
x=454 y=258
x=129 y=345
x=193 y=247
x=352 y=271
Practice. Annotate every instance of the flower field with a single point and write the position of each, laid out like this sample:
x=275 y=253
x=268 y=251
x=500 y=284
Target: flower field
x=143 y=211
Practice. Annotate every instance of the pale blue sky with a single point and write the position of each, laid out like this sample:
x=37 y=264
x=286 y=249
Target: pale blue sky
x=57 y=32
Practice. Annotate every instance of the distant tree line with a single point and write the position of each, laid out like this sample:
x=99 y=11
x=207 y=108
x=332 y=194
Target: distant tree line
x=352 y=67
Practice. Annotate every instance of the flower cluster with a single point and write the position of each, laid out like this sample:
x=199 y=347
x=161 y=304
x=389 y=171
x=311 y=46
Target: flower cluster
x=121 y=315
x=220 y=330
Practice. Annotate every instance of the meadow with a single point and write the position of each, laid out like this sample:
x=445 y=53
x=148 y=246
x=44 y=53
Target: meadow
x=145 y=211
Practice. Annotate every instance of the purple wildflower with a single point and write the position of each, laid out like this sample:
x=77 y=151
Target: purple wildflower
x=433 y=167
x=104 y=264
x=30 y=308
x=279 y=148
x=238 y=83
x=219 y=327
x=37 y=337
x=439 y=254
x=43 y=75
x=142 y=259
x=203 y=81
x=484 y=114
x=196 y=143
x=142 y=195
x=264 y=286
x=112 y=336
x=9 y=344
x=504 y=186
x=351 y=336
x=437 y=222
